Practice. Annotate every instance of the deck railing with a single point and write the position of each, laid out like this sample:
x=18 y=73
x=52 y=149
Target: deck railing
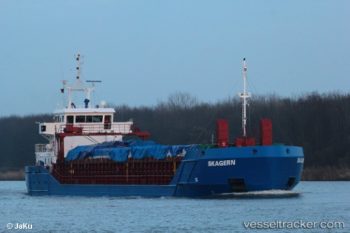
x=123 y=128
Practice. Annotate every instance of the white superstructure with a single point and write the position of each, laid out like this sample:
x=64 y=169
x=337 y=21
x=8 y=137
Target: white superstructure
x=75 y=126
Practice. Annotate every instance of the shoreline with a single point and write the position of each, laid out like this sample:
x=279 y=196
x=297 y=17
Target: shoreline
x=12 y=175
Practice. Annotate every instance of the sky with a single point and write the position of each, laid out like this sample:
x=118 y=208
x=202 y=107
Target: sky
x=145 y=50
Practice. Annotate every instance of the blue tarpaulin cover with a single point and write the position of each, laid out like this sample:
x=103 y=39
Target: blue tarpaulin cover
x=120 y=151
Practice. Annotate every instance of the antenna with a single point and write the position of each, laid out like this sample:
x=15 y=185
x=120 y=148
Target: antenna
x=79 y=86
x=93 y=82
x=64 y=83
x=78 y=66
x=244 y=96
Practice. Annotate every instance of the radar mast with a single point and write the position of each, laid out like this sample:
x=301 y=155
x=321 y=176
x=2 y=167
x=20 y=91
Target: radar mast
x=244 y=96
x=79 y=86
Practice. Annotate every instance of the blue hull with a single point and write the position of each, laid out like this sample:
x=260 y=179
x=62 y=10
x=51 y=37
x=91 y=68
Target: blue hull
x=201 y=173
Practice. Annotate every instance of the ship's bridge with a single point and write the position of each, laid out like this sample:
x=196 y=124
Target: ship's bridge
x=88 y=120
x=78 y=125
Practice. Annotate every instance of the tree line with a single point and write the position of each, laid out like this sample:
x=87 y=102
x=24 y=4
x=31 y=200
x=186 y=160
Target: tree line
x=320 y=123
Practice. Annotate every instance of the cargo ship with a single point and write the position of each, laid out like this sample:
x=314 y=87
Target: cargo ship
x=90 y=154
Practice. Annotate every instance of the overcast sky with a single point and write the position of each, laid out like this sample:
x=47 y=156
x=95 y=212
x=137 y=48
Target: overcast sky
x=145 y=50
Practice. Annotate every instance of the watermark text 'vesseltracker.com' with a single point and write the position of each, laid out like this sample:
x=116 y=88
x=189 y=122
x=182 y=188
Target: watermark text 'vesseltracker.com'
x=299 y=224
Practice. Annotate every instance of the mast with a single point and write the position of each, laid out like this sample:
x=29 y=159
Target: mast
x=244 y=96
x=78 y=66
x=79 y=86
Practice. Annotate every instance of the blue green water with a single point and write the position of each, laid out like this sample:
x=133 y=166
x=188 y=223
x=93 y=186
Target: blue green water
x=310 y=202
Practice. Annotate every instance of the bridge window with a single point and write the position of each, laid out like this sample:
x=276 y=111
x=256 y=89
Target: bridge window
x=80 y=119
x=70 y=119
x=88 y=119
x=97 y=118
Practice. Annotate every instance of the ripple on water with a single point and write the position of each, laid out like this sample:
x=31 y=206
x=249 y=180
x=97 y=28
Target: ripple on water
x=311 y=201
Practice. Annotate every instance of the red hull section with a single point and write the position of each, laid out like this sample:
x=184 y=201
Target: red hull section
x=105 y=171
x=222 y=133
x=266 y=132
